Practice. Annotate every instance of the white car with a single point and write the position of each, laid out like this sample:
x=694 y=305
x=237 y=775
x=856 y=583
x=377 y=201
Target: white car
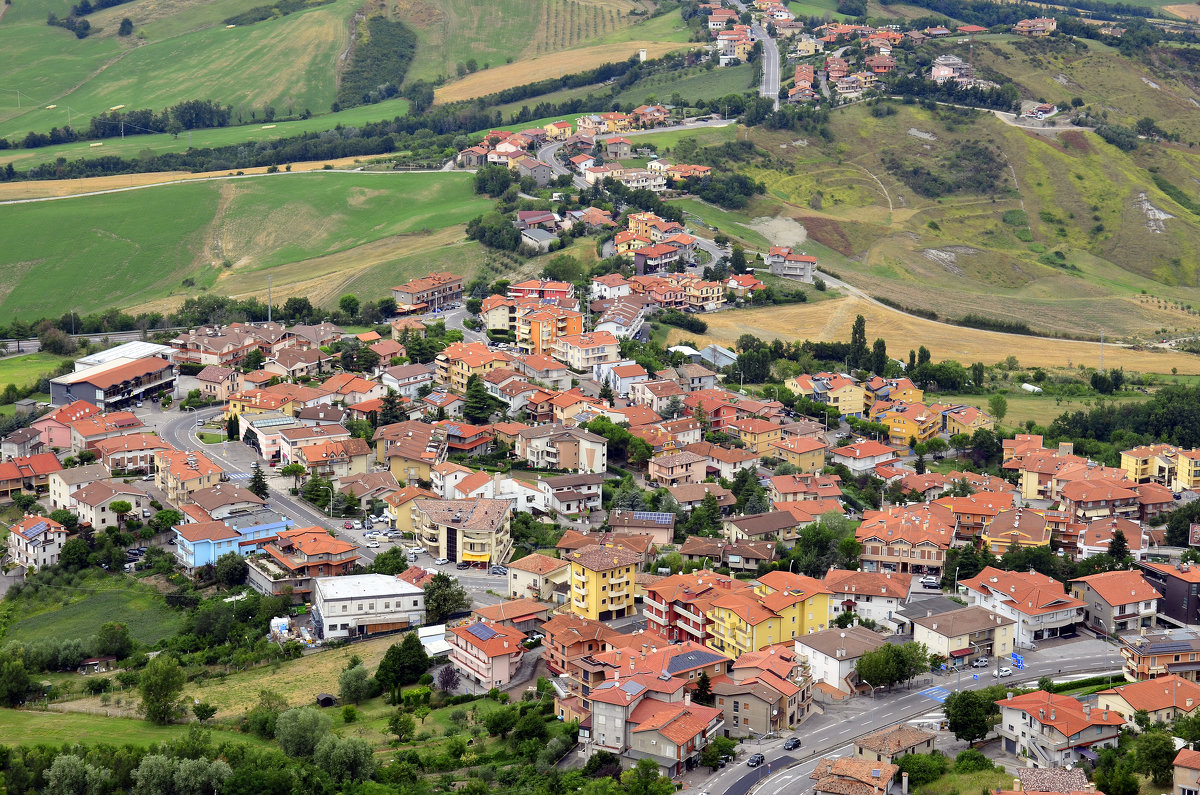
x=372 y=544
x=1002 y=672
x=442 y=561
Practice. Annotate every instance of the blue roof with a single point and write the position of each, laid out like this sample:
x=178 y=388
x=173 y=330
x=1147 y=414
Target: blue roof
x=482 y=631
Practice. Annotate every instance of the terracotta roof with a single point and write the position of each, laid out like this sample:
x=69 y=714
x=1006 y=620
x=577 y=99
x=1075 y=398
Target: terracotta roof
x=1028 y=593
x=1161 y=693
x=513 y=610
x=867 y=449
x=177 y=464
x=868 y=583
x=123 y=372
x=1063 y=713
x=494 y=640
x=601 y=558
x=206 y=531
x=71 y=412
x=224 y=494
x=100 y=491
x=896 y=739
x=130 y=442
x=1120 y=587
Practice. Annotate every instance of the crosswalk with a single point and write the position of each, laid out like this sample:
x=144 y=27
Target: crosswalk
x=938 y=694
x=239 y=475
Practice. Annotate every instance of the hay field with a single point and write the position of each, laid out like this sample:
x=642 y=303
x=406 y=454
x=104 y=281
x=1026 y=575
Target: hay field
x=1184 y=11
x=832 y=320
x=547 y=66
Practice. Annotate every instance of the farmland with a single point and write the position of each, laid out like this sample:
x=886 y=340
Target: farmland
x=832 y=320
x=59 y=728
x=27 y=369
x=1042 y=409
x=226 y=235
x=90 y=604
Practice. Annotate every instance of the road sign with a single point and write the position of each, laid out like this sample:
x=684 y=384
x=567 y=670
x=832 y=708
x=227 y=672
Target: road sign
x=975 y=677
x=943 y=666
x=1018 y=660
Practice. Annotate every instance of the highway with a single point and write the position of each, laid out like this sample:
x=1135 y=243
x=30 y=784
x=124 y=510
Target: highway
x=833 y=733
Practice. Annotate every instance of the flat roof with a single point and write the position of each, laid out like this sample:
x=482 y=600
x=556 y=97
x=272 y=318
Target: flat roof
x=357 y=585
x=130 y=350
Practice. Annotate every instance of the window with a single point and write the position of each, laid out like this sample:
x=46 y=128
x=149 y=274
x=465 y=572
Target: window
x=345 y=608
x=416 y=603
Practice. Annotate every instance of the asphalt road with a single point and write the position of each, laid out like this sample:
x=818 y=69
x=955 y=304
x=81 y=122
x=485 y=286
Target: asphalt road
x=833 y=733
x=770 y=63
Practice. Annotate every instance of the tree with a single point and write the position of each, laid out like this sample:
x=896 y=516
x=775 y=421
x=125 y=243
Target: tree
x=444 y=597
x=422 y=712
x=718 y=748
x=70 y=775
x=121 y=508
x=295 y=472
x=402 y=664
x=923 y=769
x=349 y=305
x=403 y=726
x=389 y=409
x=74 y=554
x=345 y=759
x=354 y=685
x=703 y=694
x=113 y=639
x=299 y=730
x=858 y=342
x=203 y=711
x=258 y=483
x=499 y=722
x=998 y=406
x=231 y=428
x=644 y=779
x=231 y=569
x=477 y=404
x=393 y=561
x=253 y=361
x=448 y=678
x=14 y=682
x=1154 y=755
x=969 y=714
x=977 y=371
x=126 y=27
x=879 y=357
x=160 y=684
x=1118 y=548
x=530 y=726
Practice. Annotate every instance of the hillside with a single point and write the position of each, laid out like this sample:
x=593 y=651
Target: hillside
x=317 y=234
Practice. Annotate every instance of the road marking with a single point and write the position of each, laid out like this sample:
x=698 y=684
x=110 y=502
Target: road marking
x=938 y=694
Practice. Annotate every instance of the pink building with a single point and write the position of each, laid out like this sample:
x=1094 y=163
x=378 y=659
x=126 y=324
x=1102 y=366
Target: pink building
x=55 y=428
x=488 y=654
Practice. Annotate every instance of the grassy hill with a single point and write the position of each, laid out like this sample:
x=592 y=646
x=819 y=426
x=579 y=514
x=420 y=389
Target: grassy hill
x=314 y=233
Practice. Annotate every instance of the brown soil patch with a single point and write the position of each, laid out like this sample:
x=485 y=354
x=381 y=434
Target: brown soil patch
x=40 y=189
x=827 y=232
x=1076 y=139
x=1185 y=11
x=420 y=15
x=548 y=66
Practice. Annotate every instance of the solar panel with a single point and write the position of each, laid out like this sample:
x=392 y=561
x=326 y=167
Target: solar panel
x=482 y=631
x=35 y=530
x=632 y=688
x=652 y=516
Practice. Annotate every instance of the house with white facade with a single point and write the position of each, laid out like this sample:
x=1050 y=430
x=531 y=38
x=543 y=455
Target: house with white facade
x=1037 y=602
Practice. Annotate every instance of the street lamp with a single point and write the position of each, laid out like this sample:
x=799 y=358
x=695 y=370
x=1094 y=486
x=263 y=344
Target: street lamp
x=873 y=688
x=330 y=490
x=1107 y=664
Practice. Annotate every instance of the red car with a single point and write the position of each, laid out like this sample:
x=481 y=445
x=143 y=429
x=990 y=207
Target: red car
x=348 y=525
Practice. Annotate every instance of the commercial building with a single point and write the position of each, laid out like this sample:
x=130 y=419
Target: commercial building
x=359 y=605
x=116 y=384
x=470 y=531
x=966 y=635
x=434 y=291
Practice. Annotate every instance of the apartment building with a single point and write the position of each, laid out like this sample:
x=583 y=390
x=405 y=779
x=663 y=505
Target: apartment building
x=433 y=291
x=1051 y=731
x=601 y=581
x=1116 y=601
x=464 y=531
x=1036 y=602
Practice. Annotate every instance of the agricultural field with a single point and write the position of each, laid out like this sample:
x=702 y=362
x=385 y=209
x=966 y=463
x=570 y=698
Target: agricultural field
x=313 y=232
x=26 y=369
x=177 y=52
x=693 y=83
x=90 y=604
x=832 y=320
x=67 y=728
x=1042 y=409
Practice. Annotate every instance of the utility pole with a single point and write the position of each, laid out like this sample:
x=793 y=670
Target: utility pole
x=268 y=299
x=1101 y=351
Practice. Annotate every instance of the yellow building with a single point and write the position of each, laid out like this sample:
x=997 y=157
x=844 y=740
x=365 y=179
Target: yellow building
x=1021 y=527
x=641 y=224
x=967 y=419
x=1159 y=463
x=910 y=421
x=461 y=360
x=782 y=607
x=759 y=436
x=400 y=507
x=256 y=401
x=602 y=585
x=1187 y=473
x=537 y=329
x=807 y=455
x=410 y=449
x=804 y=46
x=703 y=296
x=558 y=130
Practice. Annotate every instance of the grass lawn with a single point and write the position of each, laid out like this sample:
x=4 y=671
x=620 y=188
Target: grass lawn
x=90 y=604
x=316 y=231
x=985 y=781
x=24 y=727
x=11 y=409
x=28 y=368
x=212 y=438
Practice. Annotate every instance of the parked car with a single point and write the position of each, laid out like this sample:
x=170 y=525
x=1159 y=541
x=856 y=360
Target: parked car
x=1002 y=672
x=462 y=565
x=791 y=744
x=930 y=582
x=145 y=513
x=500 y=570
x=756 y=760
x=373 y=545
x=442 y=561
x=147 y=478
x=348 y=525
x=982 y=662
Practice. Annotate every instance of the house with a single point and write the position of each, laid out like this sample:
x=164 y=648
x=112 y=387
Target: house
x=561 y=447
x=863 y=457
x=86 y=432
x=433 y=291
x=723 y=462
x=833 y=654
x=657 y=395
x=617 y=148
x=225 y=499
x=733 y=555
x=847 y=774
x=1163 y=699
x=55 y=427
x=880 y=64
x=486 y=653
x=1179 y=585
x=949 y=67
x=289 y=561
x=967 y=634
x=558 y=130
x=1187 y=769
x=1016 y=526
x=890 y=744
x=524 y=614
x=757 y=435
x=805 y=453
x=315 y=336
x=62 y=483
x=538 y=171
x=94 y=503
x=297 y=363
x=573 y=495
x=538 y=239
x=35 y=542
x=676 y=468
x=1048 y=730
x=201 y=543
x=875 y=596
x=218 y=383
x=1152 y=654
x=660 y=526
x=1036 y=27
x=116 y=384
x=602 y=581
x=676 y=607
x=620 y=375
x=780 y=607
x=333 y=458
x=359 y=605
x=1036 y=602
x=1117 y=601
x=691 y=495
x=540 y=577
x=610 y=285
x=178 y=473
x=132 y=452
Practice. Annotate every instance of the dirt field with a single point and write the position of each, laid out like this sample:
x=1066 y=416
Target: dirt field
x=1185 y=11
x=547 y=66
x=832 y=320
x=39 y=189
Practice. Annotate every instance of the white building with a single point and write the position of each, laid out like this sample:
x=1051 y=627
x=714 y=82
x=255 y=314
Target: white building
x=1037 y=602
x=832 y=654
x=876 y=596
x=35 y=542
x=357 y=605
x=1052 y=731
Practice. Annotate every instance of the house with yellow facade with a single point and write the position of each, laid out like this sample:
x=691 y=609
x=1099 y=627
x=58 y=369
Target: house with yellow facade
x=966 y=419
x=757 y=435
x=601 y=581
x=558 y=130
x=781 y=607
x=538 y=329
x=833 y=389
x=807 y=455
x=1177 y=469
x=896 y=390
x=1187 y=473
x=461 y=360
x=908 y=421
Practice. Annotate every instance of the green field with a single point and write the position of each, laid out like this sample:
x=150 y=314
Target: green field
x=177 y=53
x=313 y=231
x=693 y=84
x=1042 y=409
x=27 y=727
x=135 y=145
x=95 y=601
x=26 y=369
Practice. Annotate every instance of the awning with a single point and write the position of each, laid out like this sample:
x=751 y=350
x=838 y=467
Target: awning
x=960 y=653
x=474 y=557
x=1087 y=753
x=1183 y=666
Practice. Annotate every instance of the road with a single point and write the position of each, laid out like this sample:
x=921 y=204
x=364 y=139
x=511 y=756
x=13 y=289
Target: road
x=770 y=64
x=834 y=732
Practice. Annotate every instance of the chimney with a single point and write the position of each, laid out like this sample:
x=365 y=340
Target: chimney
x=1087 y=711
x=618 y=655
x=1052 y=711
x=904 y=783
x=1016 y=785
x=1041 y=714
x=687 y=699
